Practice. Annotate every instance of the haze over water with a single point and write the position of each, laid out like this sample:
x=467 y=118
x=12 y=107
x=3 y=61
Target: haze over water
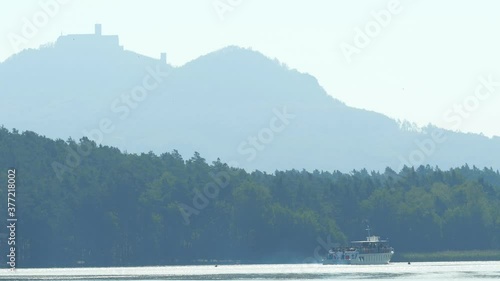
x=395 y=271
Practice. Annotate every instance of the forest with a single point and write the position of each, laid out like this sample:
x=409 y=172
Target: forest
x=80 y=203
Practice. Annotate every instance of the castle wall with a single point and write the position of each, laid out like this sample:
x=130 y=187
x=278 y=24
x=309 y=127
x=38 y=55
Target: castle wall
x=89 y=41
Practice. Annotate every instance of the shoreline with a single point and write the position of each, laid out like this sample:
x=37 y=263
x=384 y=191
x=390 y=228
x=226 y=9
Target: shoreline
x=449 y=256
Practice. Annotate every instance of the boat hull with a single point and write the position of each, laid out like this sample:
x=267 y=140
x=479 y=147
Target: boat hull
x=366 y=259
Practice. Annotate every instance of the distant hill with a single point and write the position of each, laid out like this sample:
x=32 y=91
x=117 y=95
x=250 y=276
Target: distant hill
x=234 y=104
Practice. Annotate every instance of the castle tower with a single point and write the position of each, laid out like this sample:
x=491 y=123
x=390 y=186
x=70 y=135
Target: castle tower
x=163 y=58
x=98 y=29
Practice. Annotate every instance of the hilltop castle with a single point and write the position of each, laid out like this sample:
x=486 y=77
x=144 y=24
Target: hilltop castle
x=85 y=42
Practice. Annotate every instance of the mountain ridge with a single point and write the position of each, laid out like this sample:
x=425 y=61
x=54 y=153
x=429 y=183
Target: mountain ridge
x=223 y=105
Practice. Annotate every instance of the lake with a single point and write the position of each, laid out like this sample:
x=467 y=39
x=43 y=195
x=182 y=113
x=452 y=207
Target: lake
x=395 y=271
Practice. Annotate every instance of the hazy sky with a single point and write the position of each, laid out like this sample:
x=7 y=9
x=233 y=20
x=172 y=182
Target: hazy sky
x=422 y=61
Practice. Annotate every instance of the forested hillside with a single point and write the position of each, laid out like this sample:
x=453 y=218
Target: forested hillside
x=78 y=201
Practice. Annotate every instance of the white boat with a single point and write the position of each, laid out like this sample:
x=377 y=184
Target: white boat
x=370 y=251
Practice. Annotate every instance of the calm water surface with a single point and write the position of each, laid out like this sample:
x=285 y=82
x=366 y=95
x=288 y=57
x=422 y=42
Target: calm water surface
x=456 y=271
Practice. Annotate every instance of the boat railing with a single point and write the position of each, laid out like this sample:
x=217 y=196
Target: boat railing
x=375 y=250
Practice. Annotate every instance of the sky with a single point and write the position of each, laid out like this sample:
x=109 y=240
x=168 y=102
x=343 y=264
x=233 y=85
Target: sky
x=427 y=62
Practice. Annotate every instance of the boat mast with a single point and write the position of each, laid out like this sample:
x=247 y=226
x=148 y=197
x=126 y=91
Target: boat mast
x=368 y=229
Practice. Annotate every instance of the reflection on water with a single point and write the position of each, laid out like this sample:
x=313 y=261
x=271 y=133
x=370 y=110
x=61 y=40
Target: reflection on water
x=455 y=271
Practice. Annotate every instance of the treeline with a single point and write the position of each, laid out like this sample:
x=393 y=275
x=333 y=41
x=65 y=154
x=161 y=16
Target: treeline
x=82 y=202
